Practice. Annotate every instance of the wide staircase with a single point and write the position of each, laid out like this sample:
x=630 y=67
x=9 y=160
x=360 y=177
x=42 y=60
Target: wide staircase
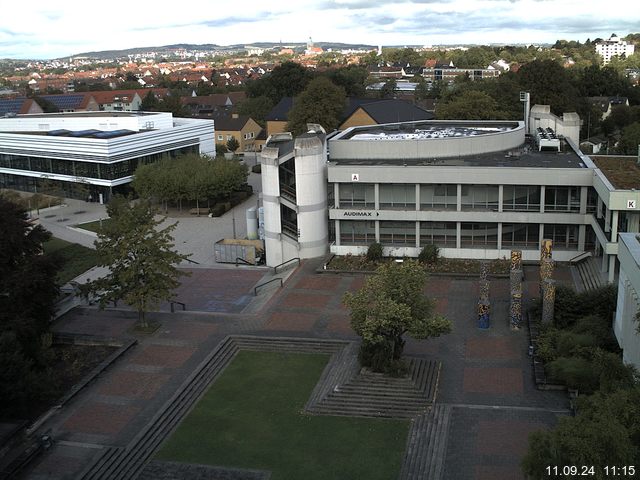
x=370 y=394
x=426 y=445
x=589 y=272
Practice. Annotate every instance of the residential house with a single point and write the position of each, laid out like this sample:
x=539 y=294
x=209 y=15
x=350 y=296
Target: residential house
x=118 y=100
x=241 y=127
x=18 y=106
x=607 y=104
x=73 y=102
x=357 y=112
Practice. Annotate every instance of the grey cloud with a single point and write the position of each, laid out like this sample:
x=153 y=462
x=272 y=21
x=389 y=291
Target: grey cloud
x=372 y=4
x=217 y=22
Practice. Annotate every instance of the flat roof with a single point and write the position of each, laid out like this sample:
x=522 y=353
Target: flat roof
x=525 y=156
x=420 y=130
x=85 y=114
x=622 y=172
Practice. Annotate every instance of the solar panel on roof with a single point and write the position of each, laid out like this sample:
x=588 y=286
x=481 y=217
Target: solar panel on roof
x=59 y=133
x=65 y=102
x=11 y=105
x=84 y=133
x=112 y=133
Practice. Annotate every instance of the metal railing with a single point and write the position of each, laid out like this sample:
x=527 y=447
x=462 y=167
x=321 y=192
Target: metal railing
x=275 y=269
x=192 y=261
x=580 y=257
x=242 y=260
x=173 y=303
x=255 y=290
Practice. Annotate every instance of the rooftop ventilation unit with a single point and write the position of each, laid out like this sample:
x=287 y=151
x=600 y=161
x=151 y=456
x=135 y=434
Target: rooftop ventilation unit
x=547 y=139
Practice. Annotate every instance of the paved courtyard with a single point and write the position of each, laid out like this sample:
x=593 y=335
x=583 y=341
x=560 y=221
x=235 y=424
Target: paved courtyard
x=486 y=374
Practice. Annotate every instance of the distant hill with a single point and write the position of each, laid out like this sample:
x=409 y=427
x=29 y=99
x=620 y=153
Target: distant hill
x=168 y=49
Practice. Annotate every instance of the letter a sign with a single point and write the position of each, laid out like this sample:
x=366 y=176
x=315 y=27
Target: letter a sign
x=355 y=177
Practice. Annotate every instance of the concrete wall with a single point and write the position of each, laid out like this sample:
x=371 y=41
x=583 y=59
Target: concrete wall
x=345 y=148
x=625 y=325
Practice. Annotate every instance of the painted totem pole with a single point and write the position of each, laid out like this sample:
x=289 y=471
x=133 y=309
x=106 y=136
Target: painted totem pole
x=483 y=302
x=515 y=284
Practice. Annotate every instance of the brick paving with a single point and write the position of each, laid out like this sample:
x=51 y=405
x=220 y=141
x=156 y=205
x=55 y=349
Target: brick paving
x=486 y=374
x=100 y=418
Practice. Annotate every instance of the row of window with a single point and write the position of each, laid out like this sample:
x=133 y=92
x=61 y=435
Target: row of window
x=75 y=168
x=246 y=136
x=473 y=197
x=444 y=234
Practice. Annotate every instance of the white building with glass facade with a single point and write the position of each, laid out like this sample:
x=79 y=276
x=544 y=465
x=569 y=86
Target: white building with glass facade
x=96 y=150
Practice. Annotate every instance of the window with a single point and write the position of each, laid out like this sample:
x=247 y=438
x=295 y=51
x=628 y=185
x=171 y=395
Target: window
x=562 y=199
x=357 y=195
x=229 y=137
x=439 y=197
x=525 y=235
x=442 y=234
x=521 y=198
x=398 y=233
x=479 y=234
x=564 y=237
x=480 y=197
x=353 y=232
x=398 y=197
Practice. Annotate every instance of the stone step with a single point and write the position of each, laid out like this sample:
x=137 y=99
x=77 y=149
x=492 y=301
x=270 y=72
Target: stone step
x=385 y=392
x=426 y=445
x=351 y=411
x=123 y=463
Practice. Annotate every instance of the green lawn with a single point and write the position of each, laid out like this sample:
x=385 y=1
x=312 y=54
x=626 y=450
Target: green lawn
x=75 y=259
x=252 y=417
x=93 y=226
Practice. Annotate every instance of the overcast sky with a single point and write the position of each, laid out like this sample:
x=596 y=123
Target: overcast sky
x=52 y=29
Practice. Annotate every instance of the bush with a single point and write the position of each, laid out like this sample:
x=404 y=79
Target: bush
x=218 y=209
x=221 y=148
x=374 y=252
x=378 y=358
x=573 y=344
x=429 y=254
x=576 y=373
x=600 y=328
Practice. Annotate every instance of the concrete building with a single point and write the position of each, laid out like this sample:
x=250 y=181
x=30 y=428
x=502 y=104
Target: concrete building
x=625 y=325
x=614 y=47
x=476 y=189
x=294 y=196
x=92 y=153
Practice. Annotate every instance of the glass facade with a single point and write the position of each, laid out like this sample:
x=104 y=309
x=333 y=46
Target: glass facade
x=287 y=175
x=480 y=197
x=477 y=234
x=521 y=198
x=521 y=235
x=439 y=197
x=398 y=197
x=442 y=234
x=564 y=237
x=97 y=170
x=357 y=195
x=398 y=233
x=357 y=233
x=562 y=199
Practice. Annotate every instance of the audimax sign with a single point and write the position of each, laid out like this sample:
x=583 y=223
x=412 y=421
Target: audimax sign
x=360 y=213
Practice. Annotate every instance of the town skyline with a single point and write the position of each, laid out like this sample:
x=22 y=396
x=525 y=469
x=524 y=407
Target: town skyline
x=37 y=31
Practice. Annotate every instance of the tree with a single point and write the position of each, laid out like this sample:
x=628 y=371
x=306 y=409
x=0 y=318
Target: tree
x=139 y=256
x=470 y=105
x=549 y=84
x=149 y=102
x=390 y=305
x=286 y=80
x=606 y=431
x=28 y=292
x=189 y=177
x=233 y=144
x=630 y=139
x=422 y=91
x=257 y=108
x=352 y=78
x=389 y=89
x=321 y=102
